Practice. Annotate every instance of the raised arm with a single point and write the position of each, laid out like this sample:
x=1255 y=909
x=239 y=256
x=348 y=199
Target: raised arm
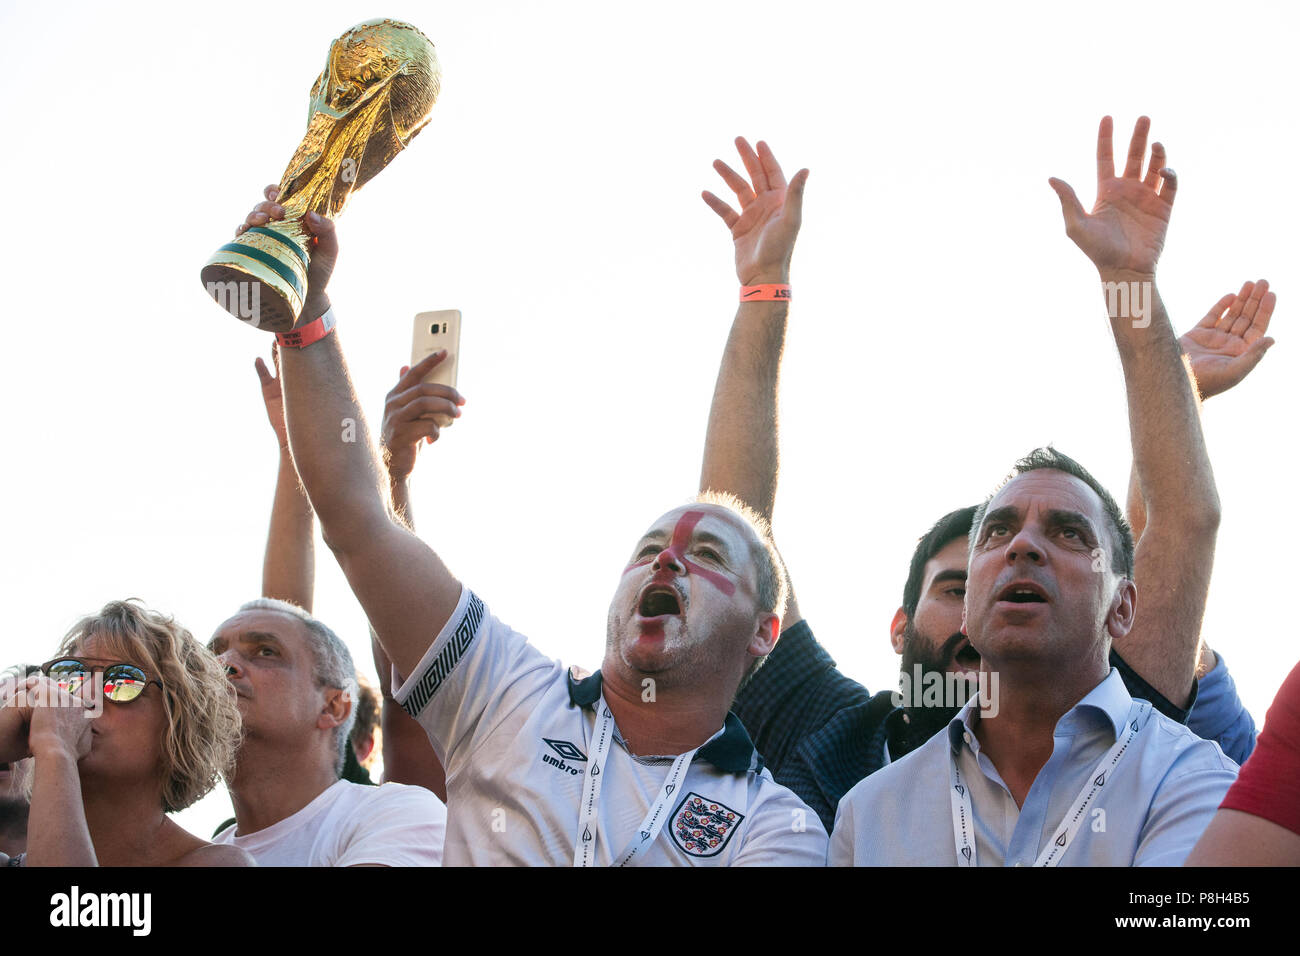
x=1123 y=236
x=408 y=425
x=406 y=591
x=289 y=567
x=741 y=446
x=1222 y=349
x=58 y=736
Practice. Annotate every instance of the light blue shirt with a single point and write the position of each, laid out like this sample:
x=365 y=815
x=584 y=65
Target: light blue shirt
x=1152 y=810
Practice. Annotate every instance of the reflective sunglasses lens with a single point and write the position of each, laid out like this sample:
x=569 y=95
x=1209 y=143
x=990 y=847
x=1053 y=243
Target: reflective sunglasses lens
x=122 y=682
x=69 y=675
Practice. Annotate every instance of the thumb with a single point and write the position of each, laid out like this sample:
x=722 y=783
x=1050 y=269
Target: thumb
x=322 y=227
x=1071 y=208
x=263 y=372
x=794 y=196
x=1254 y=352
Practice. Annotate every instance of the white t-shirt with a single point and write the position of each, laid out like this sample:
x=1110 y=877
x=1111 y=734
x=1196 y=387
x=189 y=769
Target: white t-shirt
x=514 y=732
x=350 y=824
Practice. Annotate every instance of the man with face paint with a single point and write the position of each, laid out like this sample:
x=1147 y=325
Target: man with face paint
x=637 y=764
x=821 y=732
x=1071 y=768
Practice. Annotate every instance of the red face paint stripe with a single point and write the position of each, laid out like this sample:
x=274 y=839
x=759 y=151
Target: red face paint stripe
x=682 y=540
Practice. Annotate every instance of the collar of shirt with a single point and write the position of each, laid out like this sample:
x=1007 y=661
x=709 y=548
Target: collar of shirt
x=1108 y=702
x=731 y=751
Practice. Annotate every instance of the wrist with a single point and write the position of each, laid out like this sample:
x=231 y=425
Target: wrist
x=314 y=306
x=767 y=277
x=52 y=750
x=1111 y=274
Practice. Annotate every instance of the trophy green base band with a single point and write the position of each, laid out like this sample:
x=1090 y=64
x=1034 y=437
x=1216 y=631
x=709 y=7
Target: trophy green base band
x=261 y=277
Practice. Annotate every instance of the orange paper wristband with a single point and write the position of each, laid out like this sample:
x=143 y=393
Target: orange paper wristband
x=765 y=293
x=304 y=336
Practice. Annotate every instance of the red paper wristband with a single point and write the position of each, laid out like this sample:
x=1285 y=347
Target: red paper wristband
x=765 y=293
x=305 y=335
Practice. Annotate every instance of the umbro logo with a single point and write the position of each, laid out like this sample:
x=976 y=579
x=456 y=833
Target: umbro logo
x=567 y=751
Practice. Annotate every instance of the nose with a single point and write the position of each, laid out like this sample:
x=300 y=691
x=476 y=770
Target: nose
x=231 y=663
x=668 y=558
x=1024 y=546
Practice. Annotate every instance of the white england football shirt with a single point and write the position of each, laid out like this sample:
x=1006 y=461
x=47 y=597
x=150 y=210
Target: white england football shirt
x=514 y=731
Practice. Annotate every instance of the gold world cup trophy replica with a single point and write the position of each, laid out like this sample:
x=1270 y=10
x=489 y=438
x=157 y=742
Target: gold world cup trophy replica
x=376 y=92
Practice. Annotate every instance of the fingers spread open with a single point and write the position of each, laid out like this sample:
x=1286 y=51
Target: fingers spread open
x=728 y=215
x=1157 y=163
x=1071 y=208
x=1105 y=152
x=771 y=168
x=752 y=165
x=1137 y=148
x=1170 y=185
x=736 y=182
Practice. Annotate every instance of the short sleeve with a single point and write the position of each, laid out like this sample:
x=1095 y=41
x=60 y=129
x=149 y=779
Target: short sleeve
x=476 y=672
x=398 y=825
x=1269 y=784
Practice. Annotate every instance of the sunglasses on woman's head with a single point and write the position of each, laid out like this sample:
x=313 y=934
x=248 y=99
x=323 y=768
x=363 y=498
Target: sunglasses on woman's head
x=122 y=682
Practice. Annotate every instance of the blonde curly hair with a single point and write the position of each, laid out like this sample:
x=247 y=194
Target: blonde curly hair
x=203 y=724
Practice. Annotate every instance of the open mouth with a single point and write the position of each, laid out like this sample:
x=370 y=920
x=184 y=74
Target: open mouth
x=1023 y=594
x=658 y=601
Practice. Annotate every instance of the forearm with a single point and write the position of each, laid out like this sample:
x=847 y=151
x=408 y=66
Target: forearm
x=289 y=567
x=331 y=444
x=400 y=490
x=741 y=446
x=57 y=834
x=1169 y=453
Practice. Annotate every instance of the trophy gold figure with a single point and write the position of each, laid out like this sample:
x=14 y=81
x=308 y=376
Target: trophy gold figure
x=376 y=92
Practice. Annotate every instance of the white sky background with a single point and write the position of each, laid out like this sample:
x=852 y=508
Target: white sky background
x=942 y=325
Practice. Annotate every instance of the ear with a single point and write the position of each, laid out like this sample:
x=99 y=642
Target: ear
x=896 y=629
x=364 y=748
x=1123 y=610
x=765 y=635
x=338 y=705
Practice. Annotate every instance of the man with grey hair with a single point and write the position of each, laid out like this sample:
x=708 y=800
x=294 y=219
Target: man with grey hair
x=296 y=686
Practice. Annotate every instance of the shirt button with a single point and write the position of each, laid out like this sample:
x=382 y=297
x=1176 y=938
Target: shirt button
x=966 y=736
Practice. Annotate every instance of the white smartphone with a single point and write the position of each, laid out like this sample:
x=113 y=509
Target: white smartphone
x=435 y=331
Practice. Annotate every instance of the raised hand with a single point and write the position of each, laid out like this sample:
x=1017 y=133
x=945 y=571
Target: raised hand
x=765 y=229
x=273 y=397
x=60 y=722
x=1225 y=345
x=413 y=411
x=324 y=253
x=1125 y=231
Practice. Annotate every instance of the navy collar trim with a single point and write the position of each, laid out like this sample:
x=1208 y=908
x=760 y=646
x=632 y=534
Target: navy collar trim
x=731 y=751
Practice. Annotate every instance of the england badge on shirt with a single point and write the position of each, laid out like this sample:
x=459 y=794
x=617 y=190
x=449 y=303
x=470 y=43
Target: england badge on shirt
x=702 y=827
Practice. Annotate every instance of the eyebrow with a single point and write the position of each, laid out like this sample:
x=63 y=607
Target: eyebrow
x=249 y=637
x=698 y=537
x=1007 y=513
x=1058 y=518
x=943 y=577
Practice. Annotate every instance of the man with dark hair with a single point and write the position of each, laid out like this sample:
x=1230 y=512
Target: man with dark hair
x=821 y=732
x=1050 y=586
